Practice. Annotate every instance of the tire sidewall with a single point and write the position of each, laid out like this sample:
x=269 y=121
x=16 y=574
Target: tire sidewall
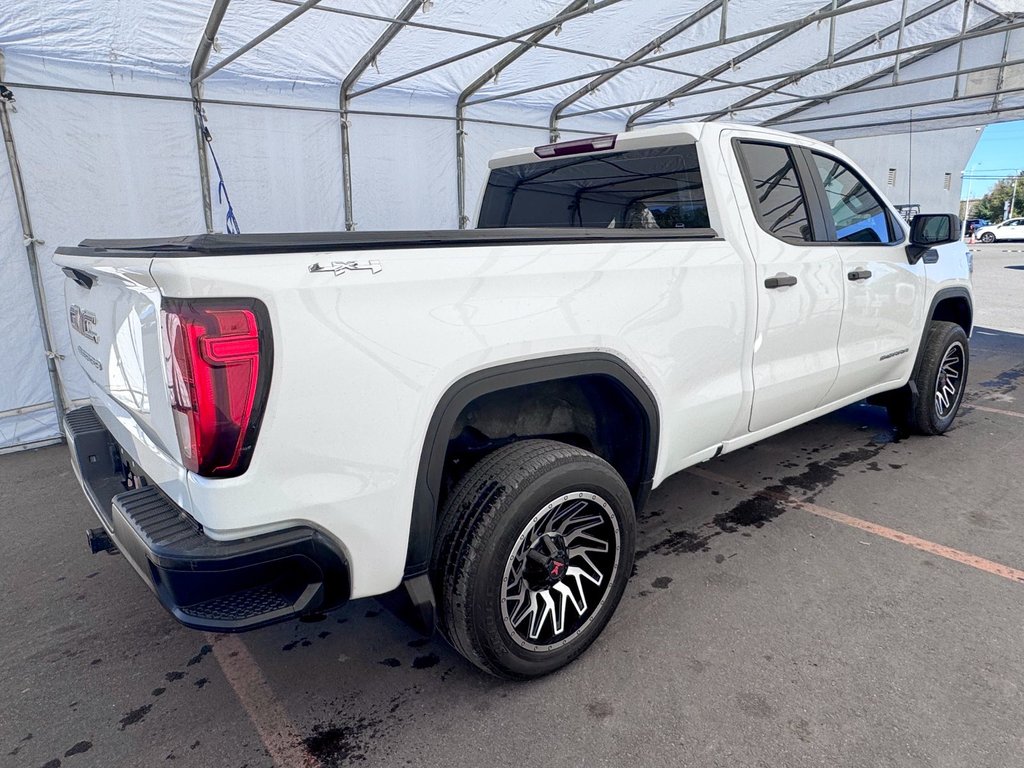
x=582 y=475
x=927 y=378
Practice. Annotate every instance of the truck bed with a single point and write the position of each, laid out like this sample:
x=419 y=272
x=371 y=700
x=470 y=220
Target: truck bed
x=307 y=242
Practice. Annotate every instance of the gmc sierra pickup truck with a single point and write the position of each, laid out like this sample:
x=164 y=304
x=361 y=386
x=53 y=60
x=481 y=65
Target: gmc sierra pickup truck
x=470 y=420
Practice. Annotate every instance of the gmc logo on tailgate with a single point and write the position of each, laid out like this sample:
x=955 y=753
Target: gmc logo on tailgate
x=83 y=321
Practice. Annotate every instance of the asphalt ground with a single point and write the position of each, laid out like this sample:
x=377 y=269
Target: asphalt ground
x=864 y=610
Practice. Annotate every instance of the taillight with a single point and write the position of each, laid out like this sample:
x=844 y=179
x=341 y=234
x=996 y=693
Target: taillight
x=218 y=356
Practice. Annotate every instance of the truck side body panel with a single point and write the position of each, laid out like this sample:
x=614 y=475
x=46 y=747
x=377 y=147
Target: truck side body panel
x=362 y=359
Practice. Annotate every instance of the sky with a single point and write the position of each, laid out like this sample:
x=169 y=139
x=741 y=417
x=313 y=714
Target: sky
x=999 y=153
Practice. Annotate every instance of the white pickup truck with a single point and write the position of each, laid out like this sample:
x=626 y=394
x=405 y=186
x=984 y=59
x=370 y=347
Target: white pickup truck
x=471 y=419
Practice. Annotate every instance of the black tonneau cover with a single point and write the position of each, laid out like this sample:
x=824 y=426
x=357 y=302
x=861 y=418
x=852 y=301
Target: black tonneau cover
x=305 y=242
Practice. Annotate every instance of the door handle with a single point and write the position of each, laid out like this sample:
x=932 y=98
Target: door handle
x=83 y=279
x=779 y=281
x=859 y=274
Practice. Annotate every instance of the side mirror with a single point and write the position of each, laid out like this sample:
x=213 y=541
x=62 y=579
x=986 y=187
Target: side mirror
x=928 y=230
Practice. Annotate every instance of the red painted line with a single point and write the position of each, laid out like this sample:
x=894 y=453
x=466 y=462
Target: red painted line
x=272 y=723
x=986 y=409
x=932 y=548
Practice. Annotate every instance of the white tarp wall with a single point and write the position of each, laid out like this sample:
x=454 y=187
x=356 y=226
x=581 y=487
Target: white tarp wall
x=26 y=409
x=118 y=157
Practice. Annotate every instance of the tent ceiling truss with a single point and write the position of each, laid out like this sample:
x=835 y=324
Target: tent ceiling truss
x=649 y=56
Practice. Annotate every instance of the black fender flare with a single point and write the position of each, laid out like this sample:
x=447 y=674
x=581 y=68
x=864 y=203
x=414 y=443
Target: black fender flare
x=435 y=445
x=956 y=292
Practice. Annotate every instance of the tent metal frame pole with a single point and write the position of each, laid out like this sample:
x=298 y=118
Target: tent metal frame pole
x=481 y=35
x=637 y=55
x=492 y=74
x=781 y=27
x=345 y=97
x=993 y=11
x=832 y=34
x=199 y=61
x=917 y=120
x=334 y=111
x=272 y=30
x=1002 y=71
x=899 y=41
x=938 y=45
x=57 y=390
x=825 y=97
x=844 y=54
x=272 y=105
x=863 y=84
x=592 y=6
x=960 y=46
x=901 y=107
x=750 y=53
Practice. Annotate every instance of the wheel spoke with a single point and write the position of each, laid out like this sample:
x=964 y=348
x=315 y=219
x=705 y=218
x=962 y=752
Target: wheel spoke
x=577 y=597
x=539 y=617
x=949 y=380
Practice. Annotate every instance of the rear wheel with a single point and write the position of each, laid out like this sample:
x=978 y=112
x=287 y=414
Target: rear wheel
x=535 y=547
x=988 y=237
x=941 y=380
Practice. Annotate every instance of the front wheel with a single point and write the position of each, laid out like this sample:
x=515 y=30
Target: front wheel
x=988 y=237
x=941 y=380
x=534 y=550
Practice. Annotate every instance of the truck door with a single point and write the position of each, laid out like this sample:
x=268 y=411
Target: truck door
x=799 y=283
x=884 y=293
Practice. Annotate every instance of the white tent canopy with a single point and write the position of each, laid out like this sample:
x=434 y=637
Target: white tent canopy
x=381 y=114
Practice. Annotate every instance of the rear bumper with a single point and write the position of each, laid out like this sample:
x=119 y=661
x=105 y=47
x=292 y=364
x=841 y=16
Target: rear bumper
x=222 y=586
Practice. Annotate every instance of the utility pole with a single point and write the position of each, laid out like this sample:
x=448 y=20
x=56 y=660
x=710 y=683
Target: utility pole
x=1013 y=197
x=967 y=208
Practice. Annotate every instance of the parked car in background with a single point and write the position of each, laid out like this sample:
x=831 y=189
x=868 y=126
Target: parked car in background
x=1011 y=229
x=974 y=224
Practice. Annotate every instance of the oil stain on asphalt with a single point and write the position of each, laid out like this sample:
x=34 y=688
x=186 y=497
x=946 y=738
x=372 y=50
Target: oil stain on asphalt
x=347 y=738
x=763 y=506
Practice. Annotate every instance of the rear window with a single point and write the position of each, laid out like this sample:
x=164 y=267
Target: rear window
x=659 y=188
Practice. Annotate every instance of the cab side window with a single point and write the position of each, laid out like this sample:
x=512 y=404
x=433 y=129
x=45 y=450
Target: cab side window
x=857 y=212
x=775 y=191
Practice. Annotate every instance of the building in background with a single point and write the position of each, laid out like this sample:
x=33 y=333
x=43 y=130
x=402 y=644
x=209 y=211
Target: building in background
x=919 y=170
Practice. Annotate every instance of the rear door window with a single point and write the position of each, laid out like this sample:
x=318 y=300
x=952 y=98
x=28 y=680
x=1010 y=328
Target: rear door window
x=775 y=193
x=658 y=188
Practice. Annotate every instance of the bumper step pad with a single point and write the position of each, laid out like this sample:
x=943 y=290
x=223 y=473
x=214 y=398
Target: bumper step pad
x=221 y=586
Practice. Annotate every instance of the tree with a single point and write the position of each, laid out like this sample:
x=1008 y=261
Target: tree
x=991 y=205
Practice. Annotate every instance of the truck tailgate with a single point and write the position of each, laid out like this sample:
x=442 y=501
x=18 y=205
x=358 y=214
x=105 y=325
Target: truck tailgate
x=113 y=311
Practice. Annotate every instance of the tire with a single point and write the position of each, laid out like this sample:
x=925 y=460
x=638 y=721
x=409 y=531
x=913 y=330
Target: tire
x=941 y=379
x=988 y=237
x=574 y=512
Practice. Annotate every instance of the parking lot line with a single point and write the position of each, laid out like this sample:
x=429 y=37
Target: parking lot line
x=272 y=723
x=986 y=409
x=931 y=547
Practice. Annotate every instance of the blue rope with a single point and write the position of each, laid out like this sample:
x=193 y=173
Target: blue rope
x=230 y=221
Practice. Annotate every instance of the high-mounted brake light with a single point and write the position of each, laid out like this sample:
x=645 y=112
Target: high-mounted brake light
x=218 y=371
x=576 y=147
